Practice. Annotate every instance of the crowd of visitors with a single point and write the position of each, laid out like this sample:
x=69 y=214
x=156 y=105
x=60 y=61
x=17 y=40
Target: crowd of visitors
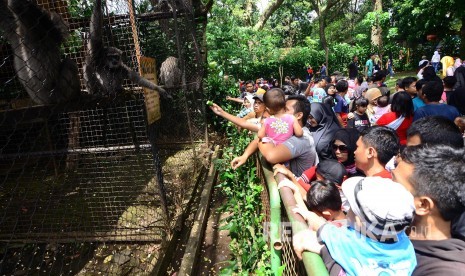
x=390 y=164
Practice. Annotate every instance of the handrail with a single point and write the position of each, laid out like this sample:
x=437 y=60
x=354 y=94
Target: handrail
x=313 y=263
x=275 y=215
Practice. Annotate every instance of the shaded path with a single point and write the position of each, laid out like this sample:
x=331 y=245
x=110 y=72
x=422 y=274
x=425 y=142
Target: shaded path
x=215 y=252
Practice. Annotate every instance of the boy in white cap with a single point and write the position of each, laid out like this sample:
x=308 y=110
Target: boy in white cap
x=374 y=240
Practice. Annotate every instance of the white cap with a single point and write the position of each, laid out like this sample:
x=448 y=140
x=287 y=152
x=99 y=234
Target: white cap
x=380 y=202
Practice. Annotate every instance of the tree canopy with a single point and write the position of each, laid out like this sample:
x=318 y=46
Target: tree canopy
x=242 y=39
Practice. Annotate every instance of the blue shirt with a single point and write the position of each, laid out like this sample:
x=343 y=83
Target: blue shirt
x=444 y=110
x=361 y=255
x=323 y=71
x=341 y=105
x=318 y=95
x=369 y=66
x=417 y=103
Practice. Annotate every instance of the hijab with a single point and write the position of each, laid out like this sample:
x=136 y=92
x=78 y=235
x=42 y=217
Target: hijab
x=457 y=99
x=349 y=137
x=359 y=91
x=459 y=75
x=327 y=126
x=370 y=95
x=250 y=99
x=447 y=62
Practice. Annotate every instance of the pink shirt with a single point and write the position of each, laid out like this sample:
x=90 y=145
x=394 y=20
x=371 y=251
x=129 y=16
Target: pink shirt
x=279 y=129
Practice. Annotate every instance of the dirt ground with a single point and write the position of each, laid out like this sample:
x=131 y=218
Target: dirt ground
x=113 y=257
x=215 y=250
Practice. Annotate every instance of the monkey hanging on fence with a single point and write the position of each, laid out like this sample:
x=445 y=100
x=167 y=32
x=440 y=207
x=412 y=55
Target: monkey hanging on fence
x=35 y=36
x=104 y=71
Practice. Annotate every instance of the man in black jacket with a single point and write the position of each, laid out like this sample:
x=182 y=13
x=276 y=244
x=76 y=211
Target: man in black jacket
x=353 y=68
x=434 y=175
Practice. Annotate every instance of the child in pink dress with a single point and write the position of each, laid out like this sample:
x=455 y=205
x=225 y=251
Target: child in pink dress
x=279 y=126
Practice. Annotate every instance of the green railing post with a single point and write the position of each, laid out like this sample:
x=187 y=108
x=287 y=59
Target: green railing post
x=313 y=263
x=275 y=216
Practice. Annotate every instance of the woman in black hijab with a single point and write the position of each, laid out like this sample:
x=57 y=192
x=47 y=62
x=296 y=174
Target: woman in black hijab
x=323 y=125
x=344 y=146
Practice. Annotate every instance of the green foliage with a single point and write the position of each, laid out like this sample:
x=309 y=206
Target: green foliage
x=250 y=252
x=217 y=87
x=74 y=43
x=415 y=19
x=246 y=53
x=291 y=23
x=79 y=8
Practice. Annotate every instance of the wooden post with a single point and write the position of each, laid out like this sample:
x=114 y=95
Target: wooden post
x=135 y=35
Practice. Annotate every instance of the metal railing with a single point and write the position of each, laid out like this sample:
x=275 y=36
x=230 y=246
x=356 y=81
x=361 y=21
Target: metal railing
x=280 y=235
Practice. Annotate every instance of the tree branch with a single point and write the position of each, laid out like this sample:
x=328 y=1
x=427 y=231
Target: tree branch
x=267 y=13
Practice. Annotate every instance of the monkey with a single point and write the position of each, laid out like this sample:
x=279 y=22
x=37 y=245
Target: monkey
x=35 y=36
x=170 y=74
x=104 y=71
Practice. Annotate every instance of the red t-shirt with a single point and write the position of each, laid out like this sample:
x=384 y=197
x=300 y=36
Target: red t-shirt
x=402 y=130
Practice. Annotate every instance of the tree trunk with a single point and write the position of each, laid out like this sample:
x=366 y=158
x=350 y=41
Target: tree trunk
x=462 y=37
x=324 y=43
x=248 y=12
x=376 y=31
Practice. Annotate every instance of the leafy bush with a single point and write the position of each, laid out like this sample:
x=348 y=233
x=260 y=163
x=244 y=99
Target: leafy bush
x=250 y=252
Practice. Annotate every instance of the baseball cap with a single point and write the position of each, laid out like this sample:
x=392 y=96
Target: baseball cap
x=331 y=170
x=258 y=96
x=384 y=205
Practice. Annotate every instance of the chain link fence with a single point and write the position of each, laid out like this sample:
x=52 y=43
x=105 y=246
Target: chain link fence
x=89 y=186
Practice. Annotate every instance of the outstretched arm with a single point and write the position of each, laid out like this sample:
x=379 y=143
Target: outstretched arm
x=143 y=82
x=237 y=100
x=240 y=160
x=95 y=45
x=280 y=171
x=235 y=120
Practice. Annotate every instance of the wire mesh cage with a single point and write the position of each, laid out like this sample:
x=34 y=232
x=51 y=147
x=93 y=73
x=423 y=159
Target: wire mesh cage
x=83 y=183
